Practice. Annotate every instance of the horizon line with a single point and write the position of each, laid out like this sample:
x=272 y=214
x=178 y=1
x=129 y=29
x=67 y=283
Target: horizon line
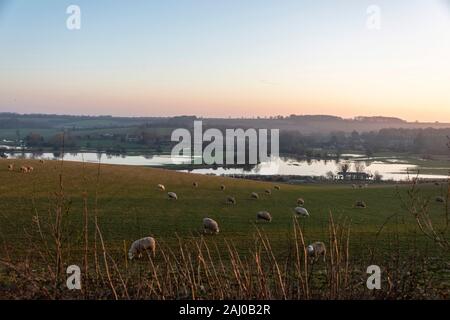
x=265 y=117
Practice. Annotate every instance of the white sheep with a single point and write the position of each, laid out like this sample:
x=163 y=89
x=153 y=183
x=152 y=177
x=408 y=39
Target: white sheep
x=41 y=161
x=161 y=187
x=277 y=188
x=222 y=187
x=210 y=226
x=254 y=195
x=10 y=167
x=172 y=196
x=268 y=192
x=302 y=212
x=264 y=215
x=195 y=184
x=30 y=169
x=316 y=250
x=360 y=204
x=23 y=169
x=147 y=244
x=300 y=202
x=231 y=200
x=354 y=186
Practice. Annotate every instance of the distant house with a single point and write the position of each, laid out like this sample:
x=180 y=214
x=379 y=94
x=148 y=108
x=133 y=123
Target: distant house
x=354 y=176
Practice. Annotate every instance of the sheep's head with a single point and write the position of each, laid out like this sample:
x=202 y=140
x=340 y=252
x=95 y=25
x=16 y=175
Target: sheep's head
x=130 y=255
x=310 y=249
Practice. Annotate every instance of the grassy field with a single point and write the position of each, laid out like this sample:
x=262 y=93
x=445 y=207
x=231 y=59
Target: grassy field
x=129 y=206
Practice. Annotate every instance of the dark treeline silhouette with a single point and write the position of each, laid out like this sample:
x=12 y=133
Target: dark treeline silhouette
x=304 y=135
x=422 y=141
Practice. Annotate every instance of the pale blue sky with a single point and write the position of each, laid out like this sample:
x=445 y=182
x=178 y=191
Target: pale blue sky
x=220 y=58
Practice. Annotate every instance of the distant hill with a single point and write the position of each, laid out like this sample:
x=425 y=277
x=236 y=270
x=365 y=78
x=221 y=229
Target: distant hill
x=301 y=123
x=326 y=124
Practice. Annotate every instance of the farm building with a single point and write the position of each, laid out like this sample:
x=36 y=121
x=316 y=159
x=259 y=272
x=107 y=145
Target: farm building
x=354 y=176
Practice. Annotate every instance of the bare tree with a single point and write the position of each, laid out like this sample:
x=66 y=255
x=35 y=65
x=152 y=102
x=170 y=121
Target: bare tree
x=344 y=167
x=359 y=166
x=330 y=175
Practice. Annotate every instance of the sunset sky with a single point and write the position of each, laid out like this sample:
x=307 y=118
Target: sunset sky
x=226 y=58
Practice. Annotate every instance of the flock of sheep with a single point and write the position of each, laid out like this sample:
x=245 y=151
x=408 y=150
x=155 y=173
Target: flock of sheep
x=210 y=226
x=23 y=169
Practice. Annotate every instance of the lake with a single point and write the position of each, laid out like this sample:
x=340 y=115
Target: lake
x=391 y=168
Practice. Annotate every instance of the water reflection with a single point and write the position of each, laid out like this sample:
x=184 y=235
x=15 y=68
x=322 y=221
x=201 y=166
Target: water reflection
x=389 y=168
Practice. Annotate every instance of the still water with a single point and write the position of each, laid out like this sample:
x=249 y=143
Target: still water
x=390 y=168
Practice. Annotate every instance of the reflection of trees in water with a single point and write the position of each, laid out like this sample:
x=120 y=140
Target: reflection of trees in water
x=148 y=156
x=99 y=156
x=36 y=154
x=359 y=166
x=19 y=155
x=368 y=162
x=73 y=154
x=251 y=167
x=57 y=154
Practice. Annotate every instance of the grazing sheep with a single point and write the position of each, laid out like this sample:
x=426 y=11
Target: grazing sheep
x=161 y=187
x=172 y=196
x=316 y=250
x=277 y=188
x=440 y=199
x=360 y=204
x=11 y=167
x=302 y=212
x=41 y=161
x=360 y=186
x=264 y=215
x=231 y=200
x=210 y=226
x=268 y=192
x=222 y=187
x=195 y=184
x=30 y=169
x=147 y=244
x=354 y=186
x=254 y=195
x=300 y=202
x=23 y=169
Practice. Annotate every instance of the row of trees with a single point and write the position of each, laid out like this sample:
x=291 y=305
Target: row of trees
x=423 y=141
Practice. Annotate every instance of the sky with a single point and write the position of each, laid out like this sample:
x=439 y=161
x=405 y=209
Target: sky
x=227 y=58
